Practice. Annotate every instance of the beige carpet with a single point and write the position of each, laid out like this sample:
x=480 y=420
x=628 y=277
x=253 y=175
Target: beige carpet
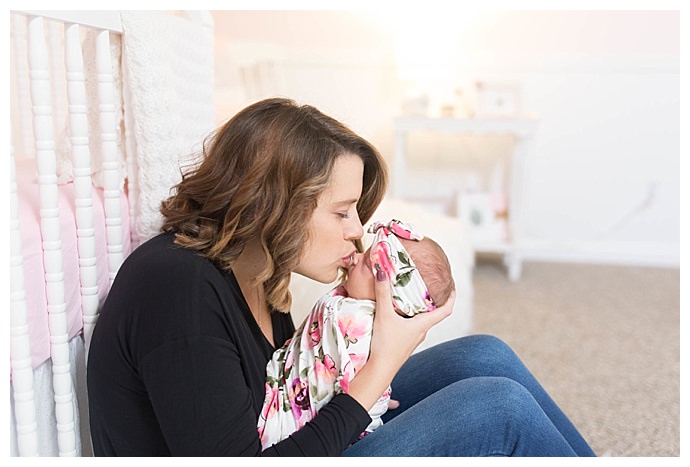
x=603 y=340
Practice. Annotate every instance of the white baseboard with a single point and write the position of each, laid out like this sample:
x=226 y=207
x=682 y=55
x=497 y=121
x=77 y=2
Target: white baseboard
x=623 y=253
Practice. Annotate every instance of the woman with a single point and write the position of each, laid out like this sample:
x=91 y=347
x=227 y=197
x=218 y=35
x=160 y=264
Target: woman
x=178 y=357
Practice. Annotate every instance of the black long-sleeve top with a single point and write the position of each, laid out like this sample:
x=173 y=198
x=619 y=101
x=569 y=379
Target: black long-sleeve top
x=177 y=366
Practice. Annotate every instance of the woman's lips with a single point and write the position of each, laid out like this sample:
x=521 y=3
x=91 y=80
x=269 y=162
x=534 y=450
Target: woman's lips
x=349 y=260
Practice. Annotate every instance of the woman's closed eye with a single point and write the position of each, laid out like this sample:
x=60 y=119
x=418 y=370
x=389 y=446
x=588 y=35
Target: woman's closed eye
x=349 y=212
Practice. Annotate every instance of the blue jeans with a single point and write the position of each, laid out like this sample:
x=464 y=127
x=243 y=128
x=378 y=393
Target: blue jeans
x=471 y=397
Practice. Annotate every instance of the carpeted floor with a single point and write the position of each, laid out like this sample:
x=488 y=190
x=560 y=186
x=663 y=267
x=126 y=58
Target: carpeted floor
x=603 y=340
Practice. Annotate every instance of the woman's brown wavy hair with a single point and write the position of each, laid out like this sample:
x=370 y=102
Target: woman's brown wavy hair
x=260 y=178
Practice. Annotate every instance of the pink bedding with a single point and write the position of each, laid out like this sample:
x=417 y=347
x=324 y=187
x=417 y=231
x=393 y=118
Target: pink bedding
x=34 y=283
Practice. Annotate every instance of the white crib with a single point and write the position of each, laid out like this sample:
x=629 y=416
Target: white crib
x=79 y=194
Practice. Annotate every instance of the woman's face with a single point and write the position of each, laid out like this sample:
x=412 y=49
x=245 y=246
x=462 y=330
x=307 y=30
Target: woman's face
x=334 y=224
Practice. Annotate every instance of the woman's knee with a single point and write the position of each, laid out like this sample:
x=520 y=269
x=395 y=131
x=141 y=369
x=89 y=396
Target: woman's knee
x=488 y=343
x=501 y=404
x=511 y=419
x=505 y=397
x=437 y=367
x=499 y=407
x=482 y=354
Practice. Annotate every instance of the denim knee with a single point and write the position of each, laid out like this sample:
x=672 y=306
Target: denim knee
x=514 y=421
x=507 y=399
x=486 y=343
x=479 y=355
x=500 y=412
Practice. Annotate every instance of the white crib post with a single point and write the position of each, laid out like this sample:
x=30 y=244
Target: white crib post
x=81 y=169
x=57 y=77
x=111 y=163
x=50 y=231
x=26 y=145
x=20 y=344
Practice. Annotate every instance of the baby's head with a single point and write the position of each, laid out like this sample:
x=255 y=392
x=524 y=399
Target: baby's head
x=430 y=260
x=434 y=267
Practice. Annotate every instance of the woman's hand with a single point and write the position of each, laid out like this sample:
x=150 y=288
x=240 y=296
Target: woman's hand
x=393 y=341
x=395 y=337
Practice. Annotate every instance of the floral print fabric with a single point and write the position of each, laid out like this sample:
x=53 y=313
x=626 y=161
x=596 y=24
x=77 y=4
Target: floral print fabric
x=410 y=294
x=321 y=359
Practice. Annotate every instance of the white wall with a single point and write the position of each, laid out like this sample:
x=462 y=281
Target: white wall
x=603 y=180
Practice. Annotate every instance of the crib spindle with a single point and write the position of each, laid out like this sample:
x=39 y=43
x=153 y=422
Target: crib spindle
x=111 y=163
x=81 y=170
x=50 y=231
x=20 y=344
x=21 y=70
x=55 y=50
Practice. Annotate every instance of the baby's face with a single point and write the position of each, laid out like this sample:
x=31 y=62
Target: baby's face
x=360 y=278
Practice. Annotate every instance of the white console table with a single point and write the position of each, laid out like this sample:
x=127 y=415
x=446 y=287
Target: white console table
x=522 y=129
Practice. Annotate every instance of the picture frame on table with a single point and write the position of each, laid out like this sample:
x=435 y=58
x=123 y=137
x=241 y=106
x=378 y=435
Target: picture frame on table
x=498 y=99
x=476 y=210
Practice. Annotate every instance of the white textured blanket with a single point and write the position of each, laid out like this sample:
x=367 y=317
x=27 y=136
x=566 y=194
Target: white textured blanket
x=167 y=66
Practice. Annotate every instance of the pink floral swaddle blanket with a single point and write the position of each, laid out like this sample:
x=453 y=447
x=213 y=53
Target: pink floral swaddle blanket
x=333 y=343
x=321 y=359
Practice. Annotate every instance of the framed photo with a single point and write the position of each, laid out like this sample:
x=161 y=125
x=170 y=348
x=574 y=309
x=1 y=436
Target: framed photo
x=476 y=209
x=498 y=100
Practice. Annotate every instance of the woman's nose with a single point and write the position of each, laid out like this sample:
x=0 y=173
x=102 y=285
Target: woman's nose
x=354 y=229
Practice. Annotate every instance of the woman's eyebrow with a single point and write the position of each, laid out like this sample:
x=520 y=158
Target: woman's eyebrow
x=347 y=202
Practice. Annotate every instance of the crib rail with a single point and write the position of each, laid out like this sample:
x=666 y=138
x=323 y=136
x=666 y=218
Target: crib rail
x=101 y=20
x=50 y=231
x=42 y=78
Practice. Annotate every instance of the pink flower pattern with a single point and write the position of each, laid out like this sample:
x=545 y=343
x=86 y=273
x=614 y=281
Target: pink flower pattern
x=328 y=349
x=380 y=259
x=410 y=295
x=354 y=327
x=325 y=369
